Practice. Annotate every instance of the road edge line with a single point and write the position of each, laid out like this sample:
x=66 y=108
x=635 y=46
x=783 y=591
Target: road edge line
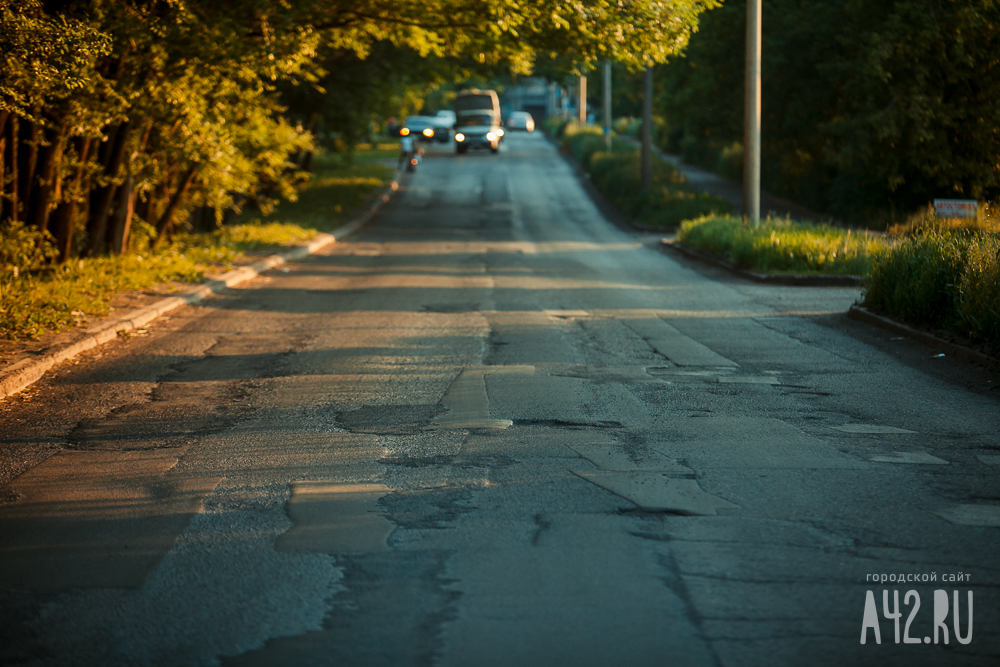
x=22 y=375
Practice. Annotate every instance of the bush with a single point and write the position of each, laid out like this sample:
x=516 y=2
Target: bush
x=783 y=245
x=617 y=174
x=23 y=248
x=947 y=279
x=554 y=126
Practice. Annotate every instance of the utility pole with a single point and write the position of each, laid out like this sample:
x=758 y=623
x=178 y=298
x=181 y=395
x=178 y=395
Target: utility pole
x=751 y=128
x=583 y=100
x=647 y=131
x=607 y=104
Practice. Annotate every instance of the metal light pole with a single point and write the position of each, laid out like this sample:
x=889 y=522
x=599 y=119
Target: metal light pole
x=751 y=128
x=583 y=100
x=607 y=104
x=647 y=131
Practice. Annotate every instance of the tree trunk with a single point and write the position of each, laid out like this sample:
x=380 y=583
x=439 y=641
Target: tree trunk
x=164 y=223
x=12 y=204
x=64 y=218
x=123 y=217
x=49 y=185
x=307 y=162
x=28 y=159
x=146 y=212
x=119 y=232
x=3 y=159
x=98 y=223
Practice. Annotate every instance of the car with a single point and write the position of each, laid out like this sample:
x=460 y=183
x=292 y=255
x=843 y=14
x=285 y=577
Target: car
x=521 y=120
x=424 y=128
x=447 y=117
x=444 y=121
x=477 y=130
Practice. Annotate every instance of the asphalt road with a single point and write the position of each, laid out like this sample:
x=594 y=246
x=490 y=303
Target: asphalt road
x=492 y=428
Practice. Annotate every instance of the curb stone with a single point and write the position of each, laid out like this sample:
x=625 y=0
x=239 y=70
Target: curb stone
x=862 y=314
x=809 y=280
x=28 y=371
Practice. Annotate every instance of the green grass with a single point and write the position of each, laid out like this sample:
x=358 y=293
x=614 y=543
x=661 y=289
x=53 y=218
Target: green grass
x=782 y=245
x=37 y=297
x=945 y=279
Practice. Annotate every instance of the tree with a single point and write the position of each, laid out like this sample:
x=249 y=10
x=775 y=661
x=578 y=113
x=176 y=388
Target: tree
x=120 y=113
x=868 y=107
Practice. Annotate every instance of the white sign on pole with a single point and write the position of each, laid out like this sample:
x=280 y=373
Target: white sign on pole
x=956 y=208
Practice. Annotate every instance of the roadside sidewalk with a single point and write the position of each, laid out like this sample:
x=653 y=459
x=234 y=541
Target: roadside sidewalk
x=26 y=368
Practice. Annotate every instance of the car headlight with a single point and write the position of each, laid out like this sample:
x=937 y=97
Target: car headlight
x=428 y=132
x=405 y=131
x=459 y=137
x=491 y=136
x=499 y=131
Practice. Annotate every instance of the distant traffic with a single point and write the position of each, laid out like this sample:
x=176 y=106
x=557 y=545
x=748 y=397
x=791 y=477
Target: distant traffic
x=475 y=123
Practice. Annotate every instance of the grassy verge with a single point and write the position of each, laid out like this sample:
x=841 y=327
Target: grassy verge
x=783 y=246
x=37 y=297
x=616 y=173
x=945 y=275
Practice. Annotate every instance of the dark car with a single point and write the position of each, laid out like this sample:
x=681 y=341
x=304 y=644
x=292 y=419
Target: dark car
x=425 y=128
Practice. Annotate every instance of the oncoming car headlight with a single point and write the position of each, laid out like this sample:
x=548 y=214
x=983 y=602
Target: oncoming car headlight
x=499 y=131
x=405 y=131
x=459 y=137
x=428 y=132
x=491 y=136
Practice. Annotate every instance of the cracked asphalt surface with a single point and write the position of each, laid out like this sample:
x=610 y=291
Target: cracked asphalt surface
x=494 y=428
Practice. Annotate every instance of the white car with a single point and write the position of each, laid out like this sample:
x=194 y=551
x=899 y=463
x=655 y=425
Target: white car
x=521 y=120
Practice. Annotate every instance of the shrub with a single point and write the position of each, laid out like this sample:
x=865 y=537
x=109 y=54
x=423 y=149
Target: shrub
x=669 y=202
x=23 y=248
x=948 y=279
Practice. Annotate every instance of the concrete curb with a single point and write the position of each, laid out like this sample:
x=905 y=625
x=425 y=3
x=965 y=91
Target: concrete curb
x=28 y=371
x=862 y=314
x=806 y=280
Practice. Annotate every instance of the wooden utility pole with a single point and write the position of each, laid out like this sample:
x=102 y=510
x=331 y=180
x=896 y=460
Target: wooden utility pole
x=607 y=104
x=751 y=128
x=647 y=131
x=583 y=101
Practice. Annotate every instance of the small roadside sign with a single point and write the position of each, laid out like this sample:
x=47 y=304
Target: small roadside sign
x=956 y=208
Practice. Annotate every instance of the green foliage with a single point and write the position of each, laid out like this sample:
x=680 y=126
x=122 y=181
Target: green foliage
x=782 y=245
x=925 y=221
x=869 y=108
x=22 y=249
x=62 y=296
x=942 y=279
x=337 y=187
x=42 y=297
x=617 y=173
